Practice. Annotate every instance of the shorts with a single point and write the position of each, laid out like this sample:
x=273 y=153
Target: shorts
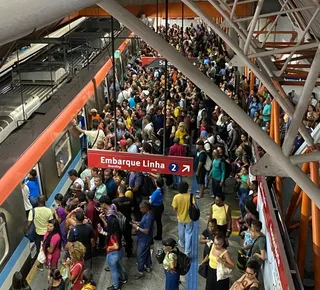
x=201 y=177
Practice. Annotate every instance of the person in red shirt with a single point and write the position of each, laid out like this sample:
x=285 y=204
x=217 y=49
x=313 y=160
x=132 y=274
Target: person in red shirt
x=91 y=213
x=177 y=150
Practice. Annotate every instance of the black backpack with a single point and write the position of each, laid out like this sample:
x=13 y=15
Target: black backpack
x=148 y=186
x=183 y=262
x=194 y=211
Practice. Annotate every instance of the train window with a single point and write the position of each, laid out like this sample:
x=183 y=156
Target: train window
x=63 y=154
x=4 y=243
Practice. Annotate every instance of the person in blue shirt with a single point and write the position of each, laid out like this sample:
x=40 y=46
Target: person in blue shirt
x=132 y=102
x=254 y=106
x=217 y=173
x=34 y=187
x=110 y=184
x=157 y=208
x=144 y=239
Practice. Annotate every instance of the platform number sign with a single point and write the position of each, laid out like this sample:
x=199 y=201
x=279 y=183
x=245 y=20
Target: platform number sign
x=173 y=167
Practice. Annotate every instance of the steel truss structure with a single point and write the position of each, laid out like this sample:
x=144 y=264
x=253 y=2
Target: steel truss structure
x=269 y=67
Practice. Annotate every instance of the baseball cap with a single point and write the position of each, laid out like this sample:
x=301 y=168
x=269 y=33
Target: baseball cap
x=94 y=110
x=169 y=243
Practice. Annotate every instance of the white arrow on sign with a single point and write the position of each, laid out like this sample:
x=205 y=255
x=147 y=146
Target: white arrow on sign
x=186 y=168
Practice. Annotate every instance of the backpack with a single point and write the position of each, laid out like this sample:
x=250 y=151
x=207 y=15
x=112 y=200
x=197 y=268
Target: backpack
x=208 y=163
x=194 y=211
x=148 y=186
x=183 y=262
x=121 y=220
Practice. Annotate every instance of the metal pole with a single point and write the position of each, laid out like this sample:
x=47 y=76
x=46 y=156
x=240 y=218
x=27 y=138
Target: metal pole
x=284 y=50
x=203 y=82
x=308 y=157
x=302 y=104
x=234 y=7
x=165 y=82
x=157 y=16
x=299 y=42
x=303 y=235
x=314 y=174
x=182 y=27
x=253 y=25
x=114 y=84
x=283 y=102
x=294 y=198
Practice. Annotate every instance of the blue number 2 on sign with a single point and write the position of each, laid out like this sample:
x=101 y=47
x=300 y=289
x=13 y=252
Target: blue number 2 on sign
x=173 y=167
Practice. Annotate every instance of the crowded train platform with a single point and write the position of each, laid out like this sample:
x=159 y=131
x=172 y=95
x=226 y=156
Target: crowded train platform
x=152 y=186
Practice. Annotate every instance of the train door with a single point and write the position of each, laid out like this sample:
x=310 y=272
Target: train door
x=4 y=241
x=39 y=180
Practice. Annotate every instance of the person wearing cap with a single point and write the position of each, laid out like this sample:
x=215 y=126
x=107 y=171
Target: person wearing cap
x=201 y=171
x=170 y=264
x=94 y=115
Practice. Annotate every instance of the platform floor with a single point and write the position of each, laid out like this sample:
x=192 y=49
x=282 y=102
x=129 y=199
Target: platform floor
x=155 y=279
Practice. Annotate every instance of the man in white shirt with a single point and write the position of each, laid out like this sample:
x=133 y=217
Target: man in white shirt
x=74 y=177
x=123 y=95
x=148 y=128
x=95 y=135
x=25 y=195
x=132 y=148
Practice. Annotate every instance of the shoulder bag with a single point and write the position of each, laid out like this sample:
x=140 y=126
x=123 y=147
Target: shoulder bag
x=222 y=271
x=95 y=140
x=194 y=212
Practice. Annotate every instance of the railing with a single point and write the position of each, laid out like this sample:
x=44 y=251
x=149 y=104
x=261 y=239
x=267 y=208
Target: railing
x=279 y=270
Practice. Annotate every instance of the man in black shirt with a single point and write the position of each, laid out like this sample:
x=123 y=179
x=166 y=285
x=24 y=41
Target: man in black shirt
x=124 y=205
x=82 y=233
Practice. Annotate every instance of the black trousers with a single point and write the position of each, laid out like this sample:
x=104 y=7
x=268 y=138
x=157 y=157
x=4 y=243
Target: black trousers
x=157 y=214
x=128 y=239
x=216 y=187
x=38 y=239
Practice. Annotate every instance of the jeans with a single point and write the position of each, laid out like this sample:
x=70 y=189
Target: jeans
x=185 y=236
x=177 y=179
x=172 y=280
x=157 y=214
x=143 y=255
x=117 y=272
x=242 y=193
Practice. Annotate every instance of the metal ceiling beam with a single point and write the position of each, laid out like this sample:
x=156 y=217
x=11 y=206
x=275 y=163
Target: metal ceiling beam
x=234 y=7
x=273 y=24
x=243 y=2
x=283 y=102
x=42 y=40
x=307 y=157
x=283 y=50
x=242 y=32
x=300 y=41
x=253 y=25
x=266 y=15
x=203 y=82
x=302 y=105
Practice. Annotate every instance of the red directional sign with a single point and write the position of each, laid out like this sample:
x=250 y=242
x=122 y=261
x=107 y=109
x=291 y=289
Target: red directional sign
x=140 y=162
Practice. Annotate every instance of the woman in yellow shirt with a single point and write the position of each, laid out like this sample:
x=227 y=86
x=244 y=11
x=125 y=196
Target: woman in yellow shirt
x=181 y=133
x=218 y=254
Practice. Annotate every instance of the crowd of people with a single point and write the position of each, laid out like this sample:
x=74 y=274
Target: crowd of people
x=105 y=208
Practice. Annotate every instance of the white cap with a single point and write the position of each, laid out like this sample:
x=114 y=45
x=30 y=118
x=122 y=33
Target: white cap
x=146 y=92
x=93 y=110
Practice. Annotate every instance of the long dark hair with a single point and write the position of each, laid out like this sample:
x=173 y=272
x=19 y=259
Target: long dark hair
x=56 y=230
x=19 y=282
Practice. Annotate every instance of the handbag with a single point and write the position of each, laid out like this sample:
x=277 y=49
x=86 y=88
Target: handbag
x=194 y=211
x=203 y=269
x=41 y=256
x=222 y=271
x=31 y=231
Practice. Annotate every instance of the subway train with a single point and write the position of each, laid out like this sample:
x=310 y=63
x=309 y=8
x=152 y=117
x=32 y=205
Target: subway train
x=44 y=155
